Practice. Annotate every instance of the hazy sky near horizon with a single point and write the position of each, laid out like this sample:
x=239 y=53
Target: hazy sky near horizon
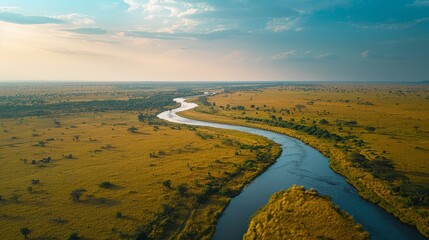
x=196 y=40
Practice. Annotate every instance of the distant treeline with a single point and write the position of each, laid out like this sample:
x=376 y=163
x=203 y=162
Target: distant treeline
x=158 y=101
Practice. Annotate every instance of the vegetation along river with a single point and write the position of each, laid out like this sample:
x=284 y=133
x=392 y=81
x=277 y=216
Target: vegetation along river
x=298 y=164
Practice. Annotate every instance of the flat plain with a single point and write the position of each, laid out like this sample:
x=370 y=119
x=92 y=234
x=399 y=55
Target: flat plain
x=119 y=173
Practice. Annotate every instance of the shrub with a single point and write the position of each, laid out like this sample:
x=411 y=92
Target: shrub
x=106 y=184
x=370 y=129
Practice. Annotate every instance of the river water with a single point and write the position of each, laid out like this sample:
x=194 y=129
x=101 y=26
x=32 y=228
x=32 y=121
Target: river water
x=298 y=164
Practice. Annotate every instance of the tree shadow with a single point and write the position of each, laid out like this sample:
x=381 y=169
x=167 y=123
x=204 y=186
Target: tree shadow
x=91 y=200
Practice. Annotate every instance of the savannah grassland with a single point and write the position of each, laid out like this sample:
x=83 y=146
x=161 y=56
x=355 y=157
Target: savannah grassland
x=140 y=178
x=297 y=213
x=375 y=135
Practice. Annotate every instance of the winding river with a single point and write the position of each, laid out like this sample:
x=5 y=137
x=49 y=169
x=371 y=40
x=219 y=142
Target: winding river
x=298 y=164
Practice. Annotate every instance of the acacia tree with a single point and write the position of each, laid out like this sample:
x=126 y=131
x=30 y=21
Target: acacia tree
x=167 y=184
x=76 y=194
x=25 y=231
x=132 y=129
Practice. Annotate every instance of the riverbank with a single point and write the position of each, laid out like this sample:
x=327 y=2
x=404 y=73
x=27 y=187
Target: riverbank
x=371 y=188
x=298 y=213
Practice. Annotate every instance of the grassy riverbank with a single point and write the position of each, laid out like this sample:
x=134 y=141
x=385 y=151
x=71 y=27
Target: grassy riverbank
x=300 y=214
x=376 y=136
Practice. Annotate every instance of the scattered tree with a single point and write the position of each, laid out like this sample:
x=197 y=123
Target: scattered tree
x=167 y=184
x=106 y=184
x=182 y=189
x=370 y=129
x=74 y=236
x=324 y=122
x=77 y=194
x=25 y=231
x=132 y=129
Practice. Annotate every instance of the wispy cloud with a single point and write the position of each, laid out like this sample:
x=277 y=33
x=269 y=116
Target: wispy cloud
x=209 y=35
x=391 y=26
x=24 y=19
x=419 y=3
x=68 y=51
x=76 y=19
x=367 y=54
x=294 y=55
x=90 y=31
x=7 y=8
x=283 y=24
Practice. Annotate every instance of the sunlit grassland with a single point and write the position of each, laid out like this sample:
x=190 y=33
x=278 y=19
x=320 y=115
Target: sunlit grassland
x=299 y=214
x=87 y=149
x=378 y=121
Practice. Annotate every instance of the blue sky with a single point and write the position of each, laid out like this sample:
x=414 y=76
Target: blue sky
x=214 y=40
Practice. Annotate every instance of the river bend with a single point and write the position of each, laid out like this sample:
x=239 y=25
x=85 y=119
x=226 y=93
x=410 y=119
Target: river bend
x=298 y=164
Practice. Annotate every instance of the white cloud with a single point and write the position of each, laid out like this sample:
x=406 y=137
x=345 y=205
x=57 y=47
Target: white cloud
x=419 y=3
x=167 y=15
x=76 y=19
x=132 y=5
x=285 y=55
x=283 y=24
x=294 y=55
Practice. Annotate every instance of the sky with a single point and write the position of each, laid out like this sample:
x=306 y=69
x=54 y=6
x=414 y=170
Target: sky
x=214 y=40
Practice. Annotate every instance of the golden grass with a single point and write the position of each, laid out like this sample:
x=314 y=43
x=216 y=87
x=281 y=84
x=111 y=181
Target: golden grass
x=300 y=214
x=394 y=112
x=106 y=151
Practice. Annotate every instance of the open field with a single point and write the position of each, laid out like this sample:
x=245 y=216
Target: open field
x=375 y=135
x=299 y=214
x=107 y=175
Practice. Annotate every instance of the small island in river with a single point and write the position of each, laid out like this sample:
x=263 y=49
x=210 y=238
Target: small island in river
x=298 y=213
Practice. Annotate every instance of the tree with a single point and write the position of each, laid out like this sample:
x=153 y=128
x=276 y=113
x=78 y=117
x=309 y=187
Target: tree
x=132 y=129
x=167 y=184
x=141 y=235
x=74 y=236
x=182 y=189
x=106 y=184
x=370 y=129
x=76 y=194
x=25 y=231
x=324 y=122
x=141 y=117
